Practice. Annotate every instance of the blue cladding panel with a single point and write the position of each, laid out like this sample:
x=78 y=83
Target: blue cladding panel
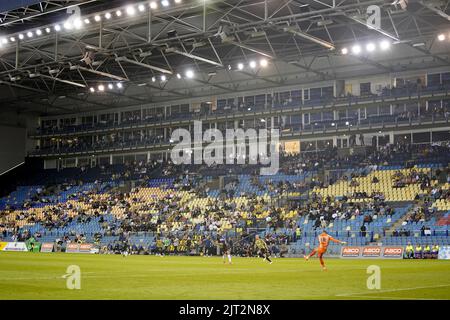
x=7 y=5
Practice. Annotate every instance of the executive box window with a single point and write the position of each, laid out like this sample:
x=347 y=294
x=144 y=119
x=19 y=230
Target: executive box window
x=433 y=79
x=364 y=89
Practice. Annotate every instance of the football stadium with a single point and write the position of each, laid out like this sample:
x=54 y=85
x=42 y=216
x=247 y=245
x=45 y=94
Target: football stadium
x=225 y=150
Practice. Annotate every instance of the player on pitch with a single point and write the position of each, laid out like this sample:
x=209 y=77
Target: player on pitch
x=324 y=240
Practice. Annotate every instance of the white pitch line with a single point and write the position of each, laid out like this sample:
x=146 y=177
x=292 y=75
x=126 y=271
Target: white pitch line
x=392 y=290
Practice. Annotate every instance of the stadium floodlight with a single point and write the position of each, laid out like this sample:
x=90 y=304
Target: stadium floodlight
x=141 y=8
x=21 y=36
x=252 y=64
x=101 y=88
x=12 y=39
x=131 y=10
x=165 y=3
x=57 y=27
x=344 y=51
x=107 y=16
x=163 y=78
x=441 y=37
x=240 y=66
x=78 y=24
x=153 y=79
x=87 y=21
x=309 y=37
x=119 y=85
x=48 y=30
x=153 y=5
x=38 y=32
x=97 y=18
x=384 y=45
x=4 y=41
x=177 y=1
x=189 y=74
x=30 y=34
x=144 y=65
x=263 y=63
x=195 y=57
x=118 y=13
x=92 y=89
x=68 y=25
x=356 y=49
x=178 y=76
x=103 y=74
x=110 y=86
x=370 y=47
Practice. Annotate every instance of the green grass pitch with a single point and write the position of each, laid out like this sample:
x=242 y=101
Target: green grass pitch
x=40 y=276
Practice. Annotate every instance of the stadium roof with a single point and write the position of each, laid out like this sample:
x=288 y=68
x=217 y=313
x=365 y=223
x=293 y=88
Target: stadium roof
x=194 y=48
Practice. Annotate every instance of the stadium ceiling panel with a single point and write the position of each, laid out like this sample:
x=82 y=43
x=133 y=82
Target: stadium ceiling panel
x=193 y=48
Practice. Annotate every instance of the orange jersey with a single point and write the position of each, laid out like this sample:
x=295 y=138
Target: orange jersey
x=324 y=240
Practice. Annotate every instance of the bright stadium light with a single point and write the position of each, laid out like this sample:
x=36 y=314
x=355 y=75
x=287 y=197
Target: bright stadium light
x=12 y=39
x=263 y=63
x=384 y=45
x=78 y=24
x=92 y=89
x=178 y=76
x=101 y=88
x=118 y=13
x=153 y=79
x=252 y=64
x=153 y=5
x=141 y=8
x=344 y=51
x=21 y=36
x=97 y=18
x=163 y=78
x=30 y=34
x=107 y=16
x=87 y=21
x=110 y=86
x=57 y=27
x=165 y=3
x=189 y=74
x=177 y=1
x=240 y=66
x=356 y=49
x=67 y=25
x=48 y=30
x=131 y=11
x=441 y=37
x=119 y=85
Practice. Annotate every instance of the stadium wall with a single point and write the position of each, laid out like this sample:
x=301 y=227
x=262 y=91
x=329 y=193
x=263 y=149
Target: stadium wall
x=12 y=147
x=14 y=142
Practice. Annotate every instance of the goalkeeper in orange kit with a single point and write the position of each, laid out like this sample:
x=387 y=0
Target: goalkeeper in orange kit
x=324 y=240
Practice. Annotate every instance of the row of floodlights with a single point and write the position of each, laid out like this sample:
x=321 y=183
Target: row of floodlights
x=78 y=23
x=103 y=87
x=253 y=64
x=370 y=47
x=189 y=74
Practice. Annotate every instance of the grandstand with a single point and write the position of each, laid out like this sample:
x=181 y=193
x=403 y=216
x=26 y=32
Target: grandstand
x=93 y=99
